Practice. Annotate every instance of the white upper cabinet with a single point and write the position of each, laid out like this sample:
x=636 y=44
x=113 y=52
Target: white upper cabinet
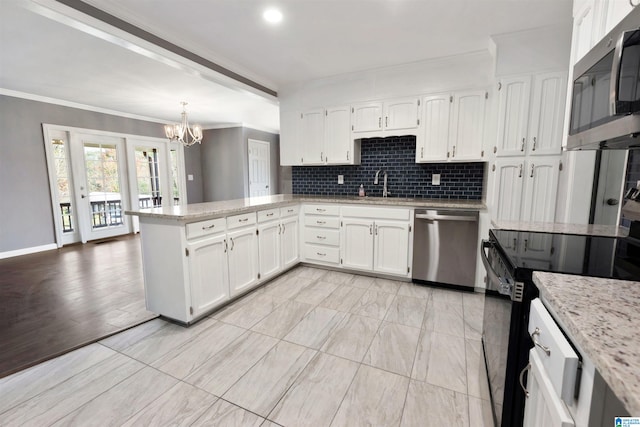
x=338 y=145
x=380 y=118
x=366 y=117
x=530 y=122
x=400 y=114
x=513 y=115
x=615 y=11
x=467 y=125
x=290 y=153
x=452 y=127
x=584 y=28
x=547 y=114
x=435 y=120
x=312 y=137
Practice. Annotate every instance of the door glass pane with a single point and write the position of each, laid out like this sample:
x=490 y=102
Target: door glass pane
x=175 y=183
x=103 y=182
x=63 y=186
x=148 y=176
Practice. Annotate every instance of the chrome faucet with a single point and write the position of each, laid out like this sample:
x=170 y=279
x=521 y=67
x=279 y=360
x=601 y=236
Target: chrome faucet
x=385 y=193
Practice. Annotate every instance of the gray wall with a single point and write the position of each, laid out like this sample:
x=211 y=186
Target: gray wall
x=193 y=166
x=26 y=219
x=225 y=162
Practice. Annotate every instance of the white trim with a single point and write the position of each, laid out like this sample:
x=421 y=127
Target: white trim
x=27 y=251
x=70 y=104
x=243 y=125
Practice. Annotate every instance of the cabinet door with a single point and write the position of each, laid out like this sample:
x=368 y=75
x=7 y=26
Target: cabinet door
x=208 y=274
x=357 y=244
x=615 y=11
x=583 y=30
x=543 y=407
x=243 y=260
x=269 y=249
x=401 y=114
x=435 y=121
x=312 y=137
x=513 y=116
x=547 y=113
x=540 y=189
x=467 y=126
x=391 y=247
x=366 y=117
x=290 y=153
x=337 y=135
x=289 y=242
x=507 y=189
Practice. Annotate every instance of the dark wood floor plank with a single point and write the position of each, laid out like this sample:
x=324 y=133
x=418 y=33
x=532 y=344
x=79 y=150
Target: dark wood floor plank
x=52 y=302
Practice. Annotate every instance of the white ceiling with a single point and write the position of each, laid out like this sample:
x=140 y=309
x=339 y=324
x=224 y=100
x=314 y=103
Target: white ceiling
x=51 y=54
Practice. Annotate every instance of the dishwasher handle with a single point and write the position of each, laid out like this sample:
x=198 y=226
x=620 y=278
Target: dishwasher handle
x=473 y=217
x=506 y=286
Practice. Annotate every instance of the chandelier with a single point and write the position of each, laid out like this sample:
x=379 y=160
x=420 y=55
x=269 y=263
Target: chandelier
x=182 y=132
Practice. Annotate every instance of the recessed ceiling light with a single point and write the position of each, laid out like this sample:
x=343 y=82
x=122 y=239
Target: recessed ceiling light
x=272 y=16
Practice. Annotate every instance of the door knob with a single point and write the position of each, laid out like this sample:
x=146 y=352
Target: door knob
x=83 y=196
x=612 y=202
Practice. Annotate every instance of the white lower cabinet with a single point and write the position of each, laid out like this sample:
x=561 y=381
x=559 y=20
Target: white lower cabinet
x=277 y=241
x=290 y=242
x=243 y=260
x=269 y=243
x=376 y=245
x=208 y=273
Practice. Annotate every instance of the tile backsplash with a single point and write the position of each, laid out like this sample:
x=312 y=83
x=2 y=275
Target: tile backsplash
x=405 y=177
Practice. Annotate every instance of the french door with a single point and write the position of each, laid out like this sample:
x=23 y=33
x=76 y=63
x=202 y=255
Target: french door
x=95 y=176
x=100 y=178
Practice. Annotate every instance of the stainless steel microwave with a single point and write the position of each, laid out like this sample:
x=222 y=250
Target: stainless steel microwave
x=605 y=101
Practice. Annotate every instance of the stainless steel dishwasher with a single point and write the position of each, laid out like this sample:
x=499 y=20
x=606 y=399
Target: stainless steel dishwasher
x=445 y=247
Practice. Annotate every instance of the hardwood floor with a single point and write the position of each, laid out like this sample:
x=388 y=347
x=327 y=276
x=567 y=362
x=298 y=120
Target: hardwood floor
x=52 y=302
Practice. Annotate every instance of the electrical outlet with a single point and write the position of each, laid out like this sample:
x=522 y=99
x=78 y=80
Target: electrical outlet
x=435 y=179
x=190 y=177
x=340 y=179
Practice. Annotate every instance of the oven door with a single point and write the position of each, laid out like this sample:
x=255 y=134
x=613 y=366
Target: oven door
x=504 y=329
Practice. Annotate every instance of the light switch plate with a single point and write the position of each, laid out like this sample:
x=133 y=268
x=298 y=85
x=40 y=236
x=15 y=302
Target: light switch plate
x=190 y=177
x=435 y=179
x=340 y=179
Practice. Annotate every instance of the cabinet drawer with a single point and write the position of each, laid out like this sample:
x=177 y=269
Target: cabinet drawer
x=322 y=236
x=237 y=221
x=556 y=355
x=203 y=228
x=289 y=211
x=376 y=213
x=319 y=253
x=268 y=215
x=322 y=209
x=321 y=221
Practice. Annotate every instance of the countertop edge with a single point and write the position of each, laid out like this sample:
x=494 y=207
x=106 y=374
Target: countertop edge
x=231 y=207
x=608 y=358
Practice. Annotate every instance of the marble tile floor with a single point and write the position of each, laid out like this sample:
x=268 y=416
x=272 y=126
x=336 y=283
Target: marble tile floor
x=311 y=348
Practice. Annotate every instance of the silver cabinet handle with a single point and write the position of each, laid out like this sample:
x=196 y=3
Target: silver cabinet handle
x=279 y=228
x=321 y=156
x=522 y=146
x=225 y=246
x=232 y=243
x=532 y=167
x=243 y=220
x=520 y=174
x=521 y=379
x=371 y=229
x=321 y=222
x=526 y=241
x=375 y=229
x=347 y=155
x=320 y=209
x=321 y=237
x=270 y=214
x=544 y=348
x=535 y=141
x=289 y=210
x=386 y=121
x=320 y=254
x=421 y=152
x=380 y=122
x=209 y=227
x=454 y=151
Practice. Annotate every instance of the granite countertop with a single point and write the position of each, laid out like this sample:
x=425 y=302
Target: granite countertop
x=564 y=228
x=231 y=207
x=602 y=316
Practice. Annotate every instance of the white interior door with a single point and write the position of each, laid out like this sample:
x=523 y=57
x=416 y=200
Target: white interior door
x=259 y=168
x=99 y=169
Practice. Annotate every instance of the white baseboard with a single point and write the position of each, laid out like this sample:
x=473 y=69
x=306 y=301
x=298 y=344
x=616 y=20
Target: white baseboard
x=26 y=251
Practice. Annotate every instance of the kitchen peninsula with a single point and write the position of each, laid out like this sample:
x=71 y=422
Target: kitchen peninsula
x=198 y=257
